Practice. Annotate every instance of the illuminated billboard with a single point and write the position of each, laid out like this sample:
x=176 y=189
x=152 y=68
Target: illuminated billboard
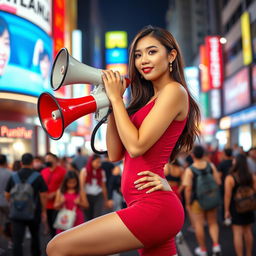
x=115 y=39
x=116 y=55
x=25 y=56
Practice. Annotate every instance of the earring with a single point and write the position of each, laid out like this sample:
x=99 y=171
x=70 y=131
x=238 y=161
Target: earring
x=170 y=66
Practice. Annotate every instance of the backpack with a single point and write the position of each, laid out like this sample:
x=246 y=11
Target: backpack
x=22 y=202
x=245 y=198
x=207 y=190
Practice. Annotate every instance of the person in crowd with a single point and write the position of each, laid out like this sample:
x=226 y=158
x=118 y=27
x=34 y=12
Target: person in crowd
x=161 y=120
x=53 y=176
x=173 y=172
x=5 y=174
x=64 y=162
x=16 y=165
x=108 y=167
x=241 y=222
x=80 y=159
x=39 y=199
x=72 y=167
x=115 y=197
x=38 y=163
x=93 y=181
x=223 y=169
x=71 y=197
x=197 y=213
x=251 y=160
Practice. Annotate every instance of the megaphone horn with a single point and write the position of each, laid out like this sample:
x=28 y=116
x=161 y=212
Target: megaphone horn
x=56 y=114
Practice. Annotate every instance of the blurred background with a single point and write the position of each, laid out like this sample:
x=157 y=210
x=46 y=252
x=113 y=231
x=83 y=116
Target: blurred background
x=217 y=39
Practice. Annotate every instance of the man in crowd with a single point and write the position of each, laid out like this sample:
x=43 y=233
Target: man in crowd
x=53 y=176
x=80 y=160
x=27 y=175
x=251 y=160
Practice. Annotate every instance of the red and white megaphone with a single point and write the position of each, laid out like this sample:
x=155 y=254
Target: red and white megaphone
x=56 y=114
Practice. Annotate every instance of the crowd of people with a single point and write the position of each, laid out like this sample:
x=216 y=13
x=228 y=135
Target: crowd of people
x=87 y=186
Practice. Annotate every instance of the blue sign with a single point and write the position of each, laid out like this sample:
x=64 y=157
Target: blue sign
x=243 y=117
x=25 y=56
x=116 y=56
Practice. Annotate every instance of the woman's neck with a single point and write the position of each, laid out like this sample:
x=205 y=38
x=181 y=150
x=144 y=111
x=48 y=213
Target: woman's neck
x=71 y=190
x=161 y=82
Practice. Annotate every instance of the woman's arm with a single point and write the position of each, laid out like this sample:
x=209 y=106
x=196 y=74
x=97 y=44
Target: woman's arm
x=59 y=200
x=168 y=105
x=114 y=144
x=229 y=184
x=216 y=174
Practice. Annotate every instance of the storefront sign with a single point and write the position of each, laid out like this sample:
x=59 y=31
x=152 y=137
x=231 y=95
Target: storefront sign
x=246 y=38
x=215 y=100
x=36 y=11
x=19 y=132
x=115 y=39
x=236 y=91
x=192 y=79
x=214 y=55
x=205 y=86
x=243 y=117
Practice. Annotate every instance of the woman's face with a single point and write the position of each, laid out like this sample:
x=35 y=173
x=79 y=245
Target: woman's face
x=71 y=183
x=96 y=163
x=4 y=51
x=151 y=58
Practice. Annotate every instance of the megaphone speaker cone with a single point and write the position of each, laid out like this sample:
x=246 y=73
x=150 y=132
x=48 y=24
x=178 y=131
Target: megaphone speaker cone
x=47 y=104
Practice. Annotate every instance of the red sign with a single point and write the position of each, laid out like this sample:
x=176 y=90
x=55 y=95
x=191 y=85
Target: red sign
x=19 y=132
x=236 y=91
x=214 y=55
x=204 y=69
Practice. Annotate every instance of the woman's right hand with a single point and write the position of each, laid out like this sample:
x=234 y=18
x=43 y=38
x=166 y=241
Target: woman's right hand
x=227 y=215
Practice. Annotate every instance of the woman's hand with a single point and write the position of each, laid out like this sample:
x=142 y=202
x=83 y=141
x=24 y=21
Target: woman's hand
x=114 y=84
x=152 y=180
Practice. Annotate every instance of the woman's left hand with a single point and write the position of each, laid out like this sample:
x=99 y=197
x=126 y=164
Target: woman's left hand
x=152 y=180
x=114 y=84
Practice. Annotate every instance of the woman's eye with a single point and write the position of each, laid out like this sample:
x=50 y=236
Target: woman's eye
x=137 y=55
x=151 y=52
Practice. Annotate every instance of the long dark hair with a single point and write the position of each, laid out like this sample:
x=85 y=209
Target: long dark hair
x=142 y=90
x=70 y=175
x=241 y=170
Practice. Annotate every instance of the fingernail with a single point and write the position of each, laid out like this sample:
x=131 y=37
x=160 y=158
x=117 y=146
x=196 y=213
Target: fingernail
x=139 y=173
x=135 y=182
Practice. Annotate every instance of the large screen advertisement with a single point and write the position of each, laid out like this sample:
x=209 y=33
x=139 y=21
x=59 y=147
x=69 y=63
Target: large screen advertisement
x=237 y=91
x=25 y=56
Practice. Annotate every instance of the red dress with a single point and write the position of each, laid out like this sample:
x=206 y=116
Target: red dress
x=70 y=204
x=153 y=218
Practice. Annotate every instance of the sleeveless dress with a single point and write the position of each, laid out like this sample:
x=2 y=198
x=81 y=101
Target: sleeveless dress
x=153 y=218
x=70 y=204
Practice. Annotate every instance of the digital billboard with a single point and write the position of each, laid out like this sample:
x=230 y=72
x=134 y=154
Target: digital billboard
x=25 y=56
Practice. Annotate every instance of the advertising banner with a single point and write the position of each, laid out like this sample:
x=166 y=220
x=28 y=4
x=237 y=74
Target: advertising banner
x=37 y=11
x=25 y=56
x=236 y=91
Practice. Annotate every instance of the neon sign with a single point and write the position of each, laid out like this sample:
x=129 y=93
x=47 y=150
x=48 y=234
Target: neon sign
x=19 y=132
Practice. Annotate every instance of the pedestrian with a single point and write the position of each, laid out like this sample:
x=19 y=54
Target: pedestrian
x=38 y=163
x=5 y=174
x=198 y=212
x=93 y=182
x=241 y=222
x=251 y=160
x=22 y=217
x=16 y=165
x=223 y=169
x=173 y=172
x=161 y=120
x=53 y=176
x=71 y=197
x=80 y=159
x=108 y=167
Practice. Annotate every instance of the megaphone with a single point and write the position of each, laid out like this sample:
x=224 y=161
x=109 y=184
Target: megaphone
x=56 y=114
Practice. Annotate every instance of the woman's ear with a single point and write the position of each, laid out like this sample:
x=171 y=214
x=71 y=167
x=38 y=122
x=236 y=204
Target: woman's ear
x=172 y=55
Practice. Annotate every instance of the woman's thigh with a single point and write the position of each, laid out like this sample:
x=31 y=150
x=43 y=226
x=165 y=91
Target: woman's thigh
x=101 y=236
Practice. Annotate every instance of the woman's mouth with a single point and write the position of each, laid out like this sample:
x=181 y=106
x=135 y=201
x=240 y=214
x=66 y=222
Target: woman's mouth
x=146 y=70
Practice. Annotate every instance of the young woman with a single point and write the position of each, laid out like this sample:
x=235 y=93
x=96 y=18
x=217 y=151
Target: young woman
x=241 y=222
x=161 y=120
x=93 y=182
x=71 y=197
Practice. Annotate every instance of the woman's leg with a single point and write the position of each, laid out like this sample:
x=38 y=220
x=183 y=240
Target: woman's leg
x=101 y=236
x=213 y=225
x=248 y=238
x=238 y=239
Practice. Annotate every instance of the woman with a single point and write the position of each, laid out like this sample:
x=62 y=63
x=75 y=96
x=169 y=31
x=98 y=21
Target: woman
x=93 y=181
x=173 y=172
x=161 y=120
x=241 y=222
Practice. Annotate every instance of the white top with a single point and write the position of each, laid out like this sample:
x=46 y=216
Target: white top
x=94 y=189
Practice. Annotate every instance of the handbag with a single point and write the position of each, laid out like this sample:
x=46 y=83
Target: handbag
x=65 y=219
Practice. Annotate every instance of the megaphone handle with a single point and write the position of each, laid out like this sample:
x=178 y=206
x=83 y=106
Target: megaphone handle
x=103 y=120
